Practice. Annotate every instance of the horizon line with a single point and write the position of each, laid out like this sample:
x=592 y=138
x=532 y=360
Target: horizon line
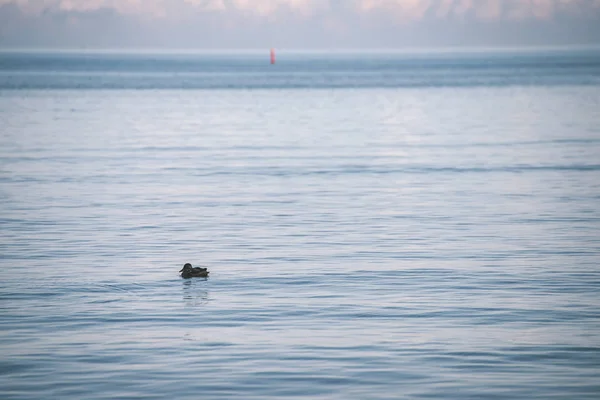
x=298 y=50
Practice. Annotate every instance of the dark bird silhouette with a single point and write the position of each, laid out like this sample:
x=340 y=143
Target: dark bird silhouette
x=193 y=272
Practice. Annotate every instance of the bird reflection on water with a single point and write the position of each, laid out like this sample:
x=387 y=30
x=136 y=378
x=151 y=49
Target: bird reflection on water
x=194 y=294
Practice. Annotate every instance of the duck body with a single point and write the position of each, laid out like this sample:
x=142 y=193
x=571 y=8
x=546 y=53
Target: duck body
x=193 y=272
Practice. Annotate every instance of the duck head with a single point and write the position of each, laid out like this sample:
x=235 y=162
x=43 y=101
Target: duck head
x=186 y=267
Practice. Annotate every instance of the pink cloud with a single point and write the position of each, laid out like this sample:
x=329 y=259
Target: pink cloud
x=404 y=9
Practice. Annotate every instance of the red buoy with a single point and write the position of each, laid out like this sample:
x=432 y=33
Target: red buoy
x=272 y=56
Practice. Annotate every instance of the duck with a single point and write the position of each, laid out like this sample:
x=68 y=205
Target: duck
x=193 y=272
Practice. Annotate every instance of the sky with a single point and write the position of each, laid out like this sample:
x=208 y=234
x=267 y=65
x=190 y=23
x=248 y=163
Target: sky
x=297 y=24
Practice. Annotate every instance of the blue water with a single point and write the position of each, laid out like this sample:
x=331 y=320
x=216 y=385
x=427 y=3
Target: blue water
x=69 y=70
x=381 y=227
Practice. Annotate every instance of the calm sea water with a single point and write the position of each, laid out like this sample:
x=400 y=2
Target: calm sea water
x=377 y=226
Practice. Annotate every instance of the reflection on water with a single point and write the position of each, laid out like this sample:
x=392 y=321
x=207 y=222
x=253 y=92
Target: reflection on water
x=195 y=292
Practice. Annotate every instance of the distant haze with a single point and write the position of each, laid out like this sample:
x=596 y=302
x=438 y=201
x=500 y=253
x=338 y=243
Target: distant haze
x=297 y=24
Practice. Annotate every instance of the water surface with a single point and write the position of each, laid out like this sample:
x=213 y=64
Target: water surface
x=382 y=228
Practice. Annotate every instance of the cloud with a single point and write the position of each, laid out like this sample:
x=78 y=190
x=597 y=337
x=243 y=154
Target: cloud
x=403 y=9
x=296 y=23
